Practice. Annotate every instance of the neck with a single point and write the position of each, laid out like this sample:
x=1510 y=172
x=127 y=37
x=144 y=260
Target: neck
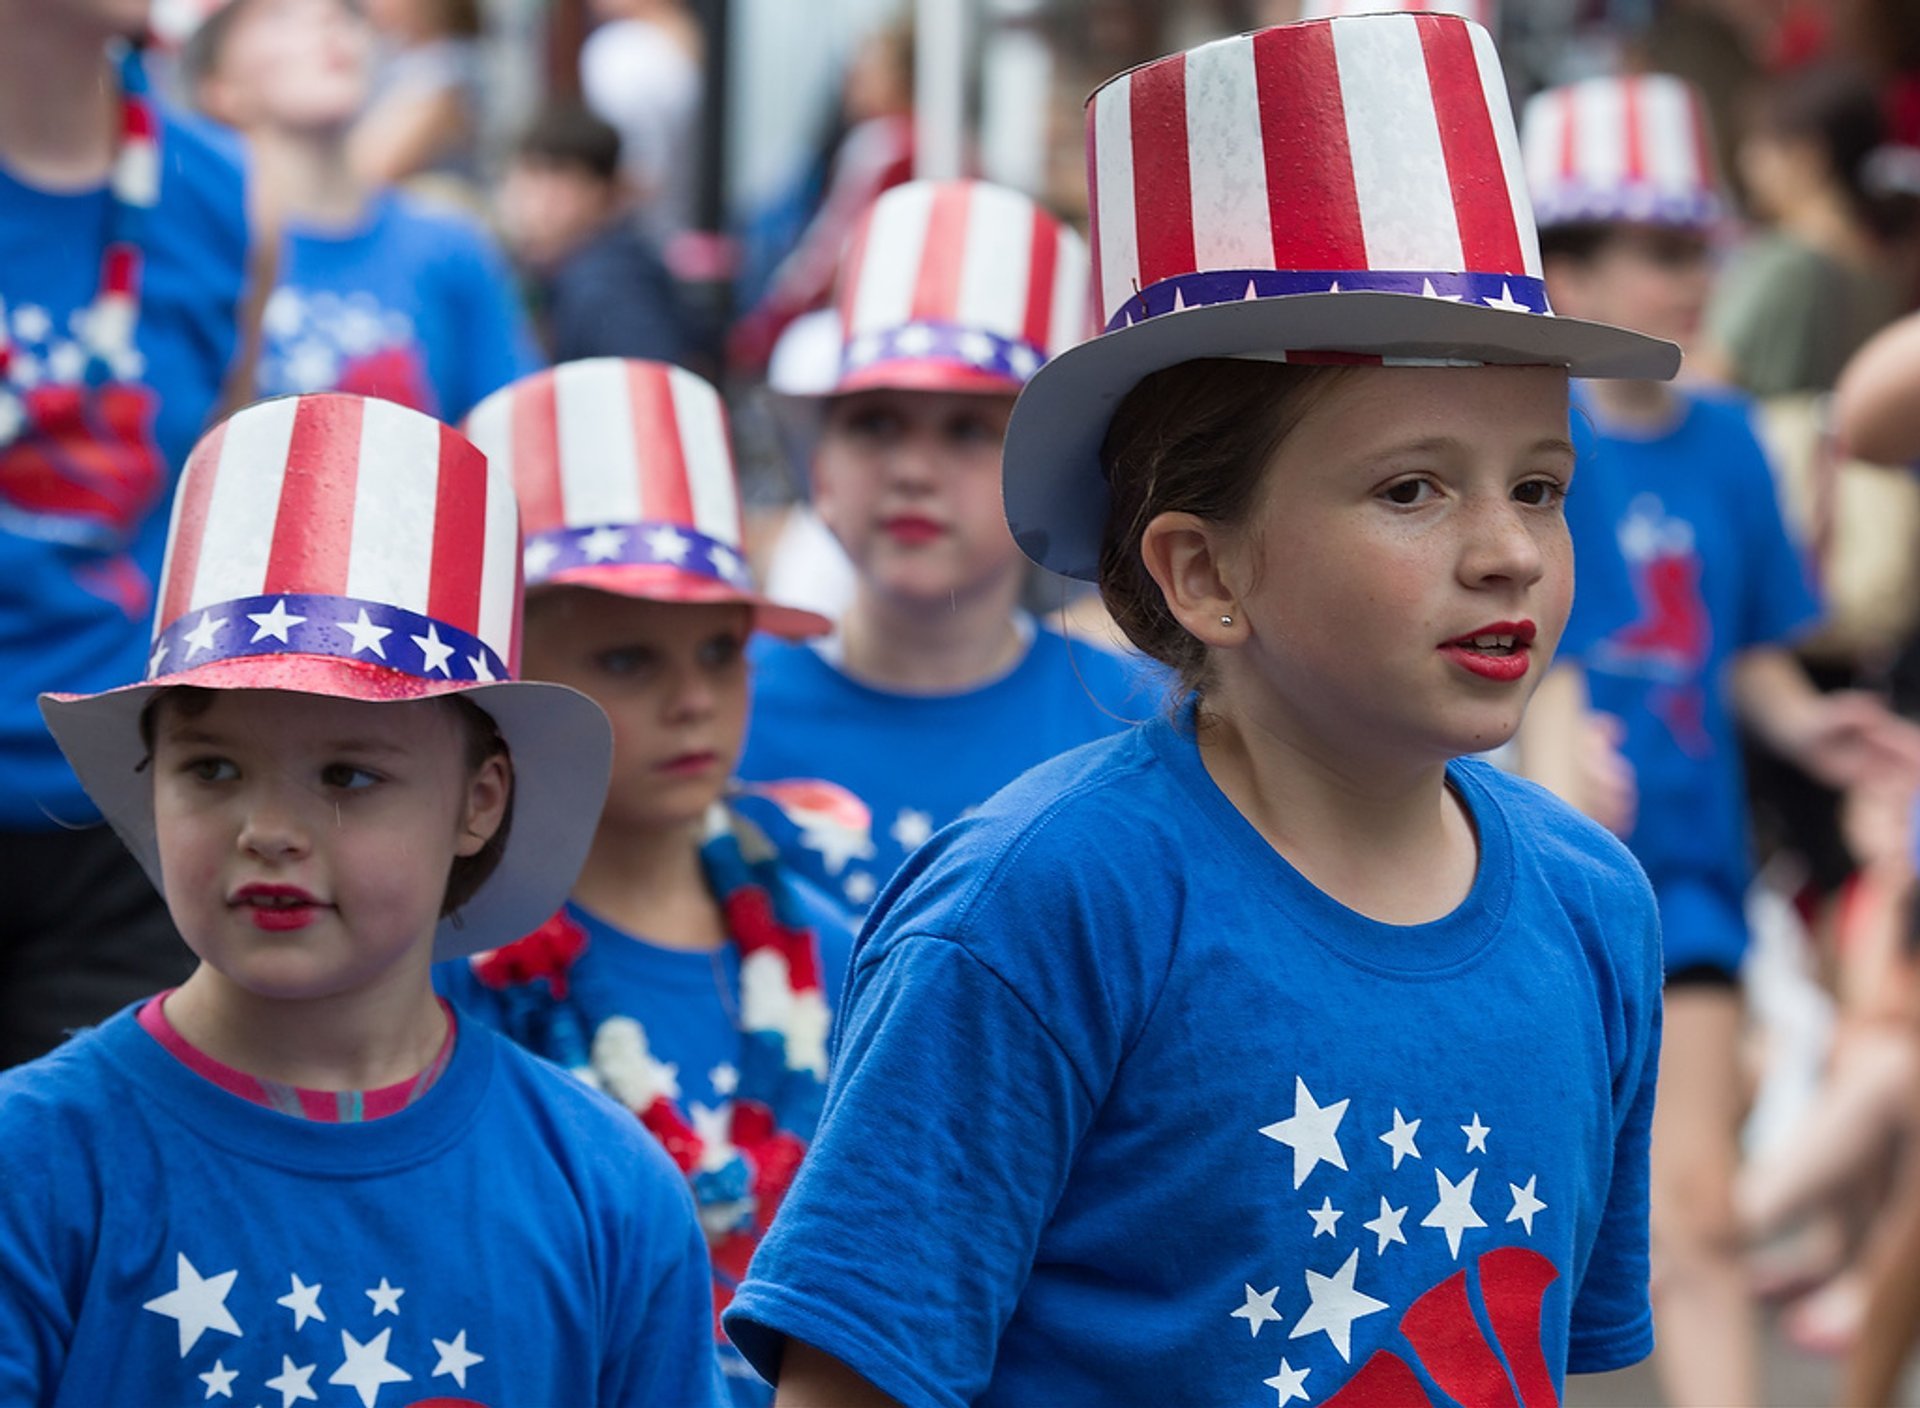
x=360 y=1040
x=649 y=882
x=305 y=176
x=940 y=648
x=1636 y=404
x=1382 y=835
x=59 y=98
x=1825 y=222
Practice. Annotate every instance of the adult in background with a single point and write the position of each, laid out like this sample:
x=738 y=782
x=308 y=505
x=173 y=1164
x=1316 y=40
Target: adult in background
x=123 y=250
x=641 y=70
x=423 y=123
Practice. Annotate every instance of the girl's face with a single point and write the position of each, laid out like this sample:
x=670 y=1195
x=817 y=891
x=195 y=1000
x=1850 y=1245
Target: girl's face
x=1407 y=572
x=299 y=65
x=909 y=482
x=306 y=841
x=673 y=679
x=1643 y=277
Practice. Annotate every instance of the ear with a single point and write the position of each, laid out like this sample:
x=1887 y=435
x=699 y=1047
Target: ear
x=488 y=793
x=1188 y=558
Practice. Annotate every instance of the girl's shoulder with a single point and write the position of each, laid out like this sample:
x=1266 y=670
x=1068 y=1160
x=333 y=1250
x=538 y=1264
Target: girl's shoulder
x=1553 y=843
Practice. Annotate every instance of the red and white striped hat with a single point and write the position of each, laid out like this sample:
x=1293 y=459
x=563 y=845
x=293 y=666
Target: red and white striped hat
x=957 y=286
x=626 y=484
x=1482 y=12
x=1636 y=148
x=1345 y=188
x=345 y=546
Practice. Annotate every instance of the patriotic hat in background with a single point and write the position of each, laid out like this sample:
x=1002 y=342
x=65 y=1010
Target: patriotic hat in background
x=626 y=484
x=1344 y=189
x=1484 y=12
x=1636 y=148
x=957 y=286
x=345 y=546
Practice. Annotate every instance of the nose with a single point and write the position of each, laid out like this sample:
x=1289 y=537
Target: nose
x=1503 y=545
x=274 y=827
x=691 y=693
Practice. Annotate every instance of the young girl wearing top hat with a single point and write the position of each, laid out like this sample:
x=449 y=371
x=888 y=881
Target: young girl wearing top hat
x=690 y=974
x=1270 y=1048
x=938 y=687
x=297 y=1169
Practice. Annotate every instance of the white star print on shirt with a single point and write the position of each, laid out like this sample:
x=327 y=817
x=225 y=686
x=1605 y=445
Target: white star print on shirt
x=912 y=828
x=219 y=1380
x=1400 y=1138
x=304 y=1301
x=386 y=1298
x=836 y=844
x=1258 y=1310
x=1387 y=1226
x=1326 y=1218
x=724 y=1079
x=367 y=1367
x=293 y=1383
x=1289 y=1383
x=1336 y=1305
x=274 y=623
x=860 y=887
x=1310 y=1132
x=1454 y=1213
x=456 y=1358
x=1525 y=1204
x=1476 y=1135
x=197 y=1303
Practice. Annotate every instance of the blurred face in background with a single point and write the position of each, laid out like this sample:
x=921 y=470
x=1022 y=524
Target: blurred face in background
x=1652 y=279
x=294 y=65
x=548 y=209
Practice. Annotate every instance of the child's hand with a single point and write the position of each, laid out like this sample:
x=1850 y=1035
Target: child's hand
x=1850 y=739
x=1608 y=790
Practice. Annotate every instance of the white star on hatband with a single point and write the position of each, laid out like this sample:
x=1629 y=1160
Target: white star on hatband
x=539 y=557
x=1525 y=1204
x=1506 y=301
x=1258 y=1310
x=1310 y=1132
x=482 y=671
x=668 y=544
x=603 y=544
x=1336 y=1305
x=1454 y=1213
x=366 y=635
x=434 y=653
x=197 y=1303
x=274 y=623
x=201 y=636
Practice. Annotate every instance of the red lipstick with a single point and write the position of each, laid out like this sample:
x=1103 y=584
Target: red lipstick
x=278 y=909
x=1499 y=651
x=689 y=764
x=912 y=529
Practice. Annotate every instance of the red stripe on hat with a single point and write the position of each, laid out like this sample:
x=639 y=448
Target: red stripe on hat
x=190 y=525
x=936 y=292
x=851 y=261
x=1315 y=212
x=1482 y=201
x=1162 y=186
x=1041 y=272
x=1636 y=138
x=313 y=528
x=459 y=533
x=533 y=423
x=657 y=448
x=1569 y=135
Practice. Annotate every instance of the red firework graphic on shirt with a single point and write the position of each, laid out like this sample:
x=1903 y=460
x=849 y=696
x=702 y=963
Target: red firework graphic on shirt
x=85 y=469
x=1671 y=639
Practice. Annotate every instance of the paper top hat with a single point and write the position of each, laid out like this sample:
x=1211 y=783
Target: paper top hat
x=957 y=286
x=1484 y=12
x=1345 y=189
x=345 y=546
x=1634 y=148
x=626 y=484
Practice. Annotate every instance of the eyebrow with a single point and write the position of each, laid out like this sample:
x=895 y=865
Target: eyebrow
x=1553 y=444
x=205 y=738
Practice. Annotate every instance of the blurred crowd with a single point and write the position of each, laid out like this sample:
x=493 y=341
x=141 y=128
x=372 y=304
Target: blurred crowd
x=406 y=246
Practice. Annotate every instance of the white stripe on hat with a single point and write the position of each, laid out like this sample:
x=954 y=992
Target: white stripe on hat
x=997 y=261
x=594 y=435
x=501 y=563
x=1668 y=148
x=1399 y=169
x=394 y=499
x=1226 y=158
x=1543 y=137
x=490 y=426
x=1500 y=110
x=1119 y=243
x=703 y=446
x=1600 y=130
x=1072 y=285
x=890 y=264
x=244 y=504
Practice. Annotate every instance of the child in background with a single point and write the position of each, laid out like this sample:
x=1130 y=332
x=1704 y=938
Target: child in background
x=598 y=285
x=1270 y=1048
x=938 y=689
x=690 y=974
x=1675 y=484
x=296 y=1169
x=378 y=293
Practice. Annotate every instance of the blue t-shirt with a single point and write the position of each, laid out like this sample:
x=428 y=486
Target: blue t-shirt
x=511 y=1238
x=688 y=1005
x=921 y=761
x=414 y=305
x=1125 y=1108
x=85 y=491
x=1693 y=516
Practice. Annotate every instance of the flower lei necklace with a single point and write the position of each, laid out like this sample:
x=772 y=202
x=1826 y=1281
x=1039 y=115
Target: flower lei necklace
x=107 y=326
x=741 y=1159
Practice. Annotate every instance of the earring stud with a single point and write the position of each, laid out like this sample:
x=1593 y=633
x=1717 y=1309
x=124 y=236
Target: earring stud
x=1226 y=620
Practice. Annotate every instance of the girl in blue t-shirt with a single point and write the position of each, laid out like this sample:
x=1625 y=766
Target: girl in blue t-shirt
x=1271 y=1047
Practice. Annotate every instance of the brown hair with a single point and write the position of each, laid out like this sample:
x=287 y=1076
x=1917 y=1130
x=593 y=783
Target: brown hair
x=1194 y=438
x=480 y=734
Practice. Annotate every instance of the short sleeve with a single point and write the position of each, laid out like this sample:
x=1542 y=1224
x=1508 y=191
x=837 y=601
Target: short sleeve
x=662 y=1315
x=1612 y=1319
x=947 y=1138
x=1764 y=315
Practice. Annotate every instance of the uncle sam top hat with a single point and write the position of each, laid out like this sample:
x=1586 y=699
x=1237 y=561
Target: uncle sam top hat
x=1345 y=189
x=957 y=286
x=345 y=546
x=626 y=484
x=1621 y=148
x=1485 y=12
